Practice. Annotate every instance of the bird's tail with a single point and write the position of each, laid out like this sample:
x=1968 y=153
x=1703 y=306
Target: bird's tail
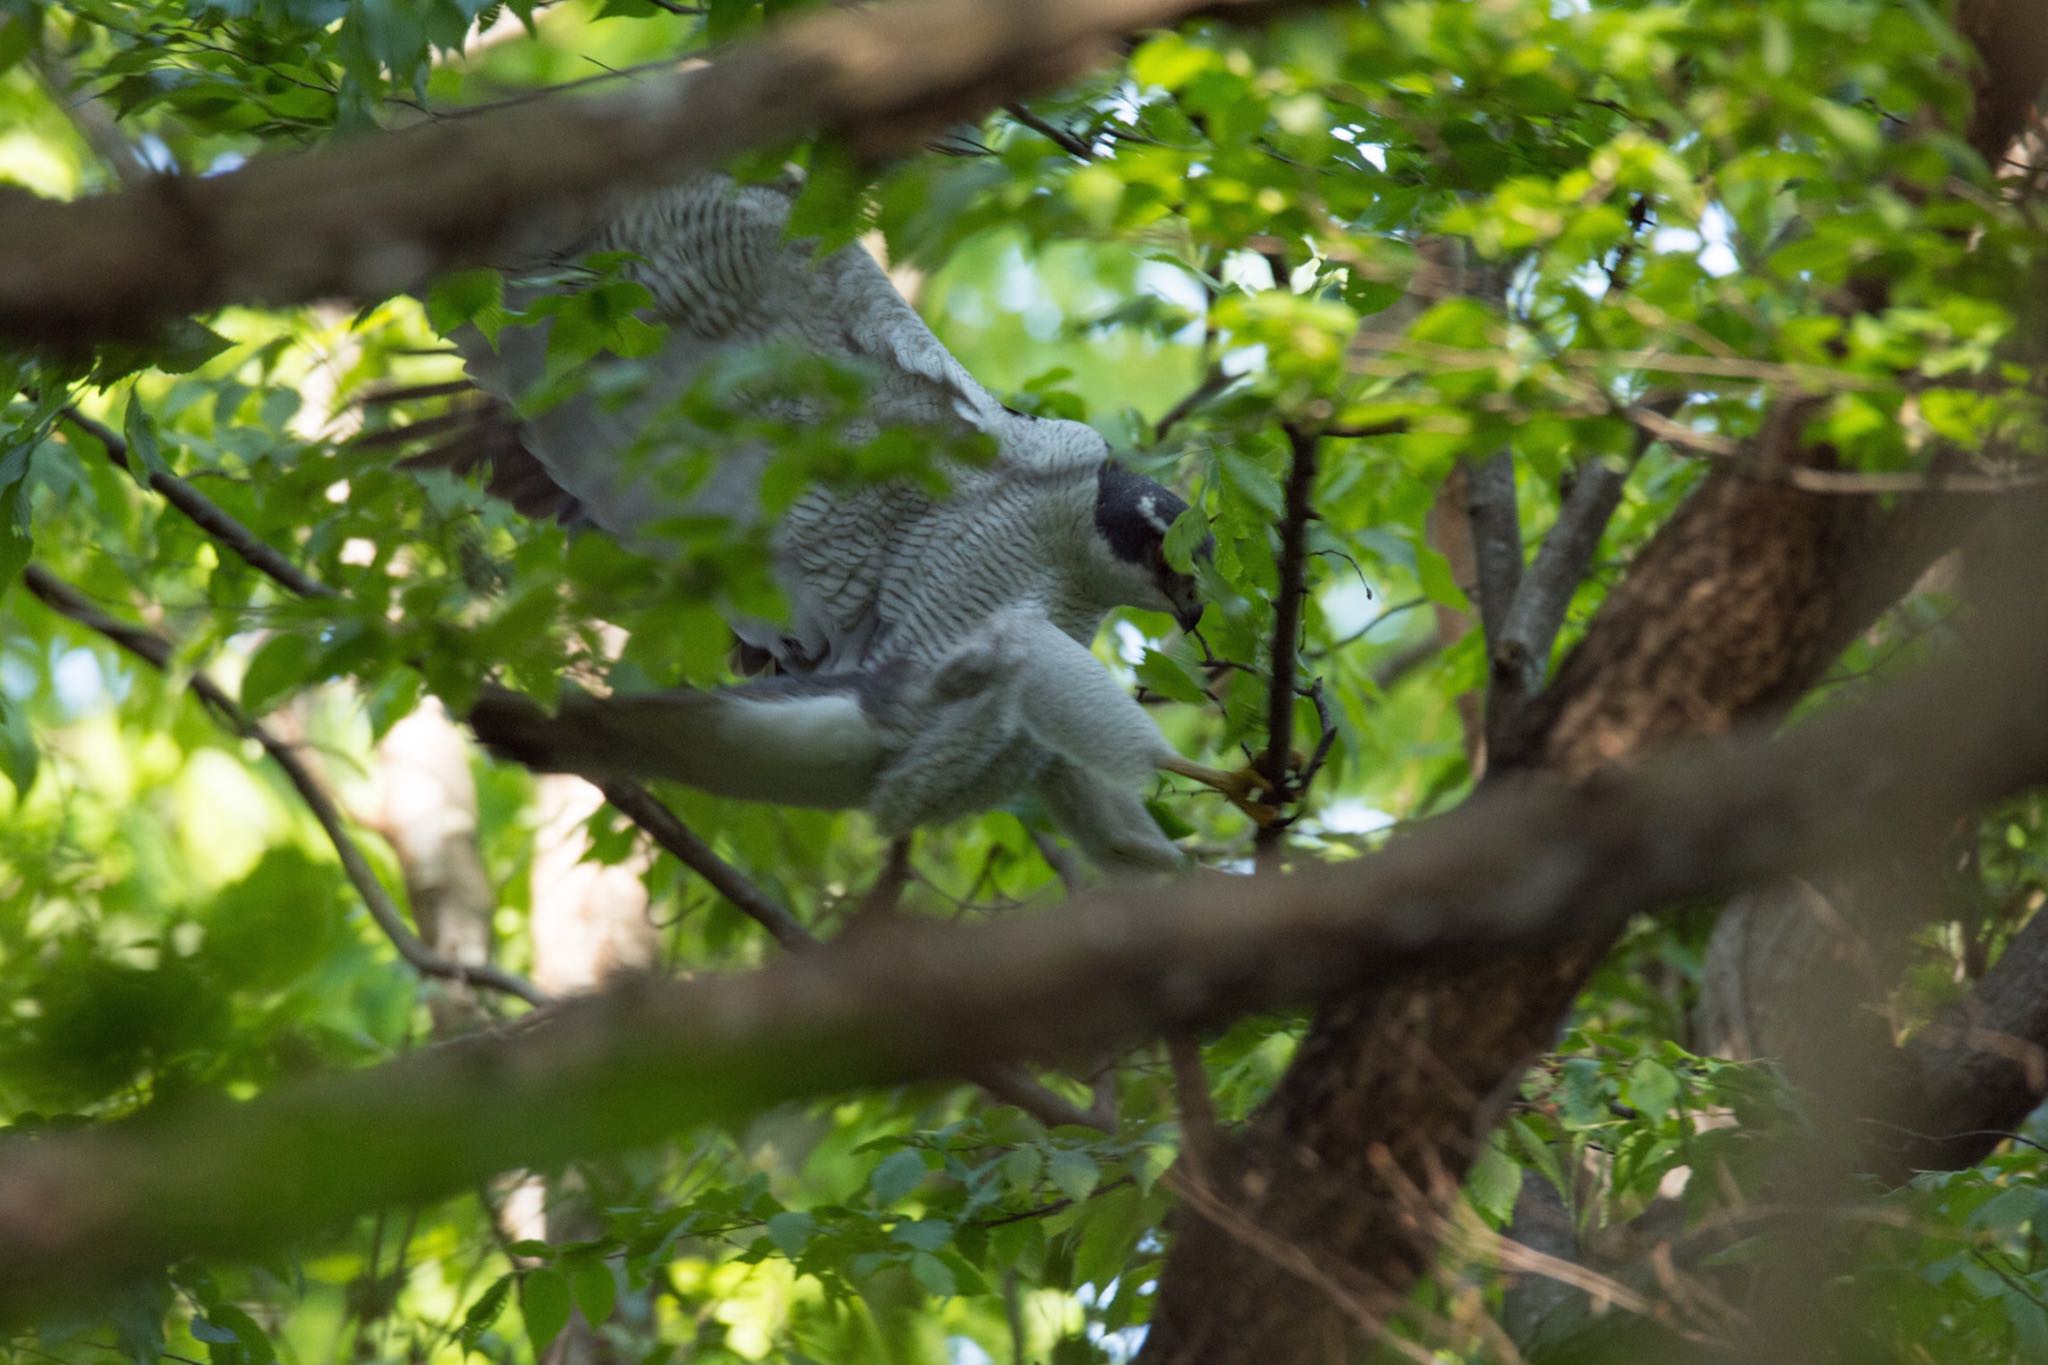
x=458 y=427
x=809 y=746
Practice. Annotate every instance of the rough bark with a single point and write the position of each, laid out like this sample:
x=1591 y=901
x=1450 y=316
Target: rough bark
x=1966 y=1081
x=1729 y=614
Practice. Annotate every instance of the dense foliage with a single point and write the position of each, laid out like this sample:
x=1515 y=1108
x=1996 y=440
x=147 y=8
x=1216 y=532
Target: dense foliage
x=1610 y=208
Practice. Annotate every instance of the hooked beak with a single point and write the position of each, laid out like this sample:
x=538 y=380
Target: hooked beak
x=1187 y=603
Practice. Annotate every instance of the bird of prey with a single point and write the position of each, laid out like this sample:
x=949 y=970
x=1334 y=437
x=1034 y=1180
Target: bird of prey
x=936 y=659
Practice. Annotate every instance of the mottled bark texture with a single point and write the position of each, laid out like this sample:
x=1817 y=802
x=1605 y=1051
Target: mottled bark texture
x=1730 y=613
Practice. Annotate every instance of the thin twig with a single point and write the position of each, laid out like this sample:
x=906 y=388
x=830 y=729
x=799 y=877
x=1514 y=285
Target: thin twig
x=1369 y=627
x=1008 y=1084
x=1052 y=132
x=208 y=515
x=1738 y=457
x=1396 y=426
x=1214 y=381
x=1287 y=609
x=662 y=825
x=1326 y=733
x=884 y=899
x=90 y=116
x=631 y=799
x=158 y=652
x=1398 y=665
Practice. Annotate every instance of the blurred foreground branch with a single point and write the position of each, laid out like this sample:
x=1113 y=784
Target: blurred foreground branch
x=376 y=214
x=1530 y=862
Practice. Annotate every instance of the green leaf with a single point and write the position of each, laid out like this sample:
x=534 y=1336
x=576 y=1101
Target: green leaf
x=1022 y=1168
x=468 y=296
x=16 y=544
x=145 y=453
x=20 y=758
x=1075 y=1173
x=897 y=1176
x=926 y=1234
x=1172 y=677
x=1495 y=1182
x=1650 y=1088
x=20 y=33
x=725 y=18
x=594 y=1289
x=1109 y=1235
x=933 y=1274
x=178 y=348
x=251 y=1344
x=791 y=1231
x=544 y=1303
x=1438 y=585
x=485 y=1311
x=280 y=665
x=1187 y=535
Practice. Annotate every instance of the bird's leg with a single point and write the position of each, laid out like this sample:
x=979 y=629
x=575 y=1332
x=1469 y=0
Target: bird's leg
x=1240 y=788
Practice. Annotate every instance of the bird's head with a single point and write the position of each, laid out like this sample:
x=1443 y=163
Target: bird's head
x=1132 y=517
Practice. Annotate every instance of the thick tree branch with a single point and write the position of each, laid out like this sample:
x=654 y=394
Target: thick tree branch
x=1520 y=654
x=369 y=216
x=1971 y=1077
x=1730 y=613
x=156 y=651
x=1496 y=539
x=1523 y=865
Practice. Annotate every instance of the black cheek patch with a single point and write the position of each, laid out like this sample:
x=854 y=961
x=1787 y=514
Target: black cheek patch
x=1121 y=513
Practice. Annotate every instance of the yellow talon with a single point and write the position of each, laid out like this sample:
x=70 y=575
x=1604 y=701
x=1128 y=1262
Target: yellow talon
x=1239 y=787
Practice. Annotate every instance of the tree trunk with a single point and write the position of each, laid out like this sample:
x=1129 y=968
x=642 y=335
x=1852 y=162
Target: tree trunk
x=1329 y=1195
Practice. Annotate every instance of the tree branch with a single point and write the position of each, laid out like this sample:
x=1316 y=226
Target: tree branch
x=1496 y=539
x=372 y=215
x=156 y=651
x=1213 y=382
x=630 y=798
x=1292 y=566
x=1520 y=654
x=639 y=805
x=1051 y=132
x=1970 y=1077
x=208 y=515
x=1524 y=864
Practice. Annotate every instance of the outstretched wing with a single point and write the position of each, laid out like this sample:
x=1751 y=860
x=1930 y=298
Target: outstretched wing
x=728 y=282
